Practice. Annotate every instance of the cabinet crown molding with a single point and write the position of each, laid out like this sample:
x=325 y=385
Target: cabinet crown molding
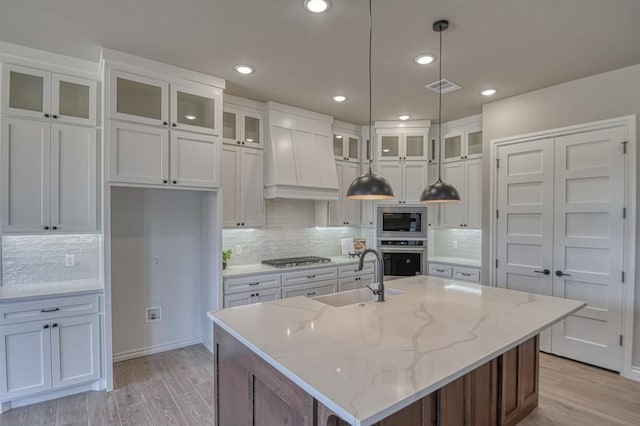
x=397 y=124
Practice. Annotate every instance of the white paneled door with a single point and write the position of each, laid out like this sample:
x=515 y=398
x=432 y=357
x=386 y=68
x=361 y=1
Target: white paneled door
x=560 y=232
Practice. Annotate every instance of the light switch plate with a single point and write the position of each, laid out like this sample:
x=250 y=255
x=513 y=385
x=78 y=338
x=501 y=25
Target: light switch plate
x=69 y=260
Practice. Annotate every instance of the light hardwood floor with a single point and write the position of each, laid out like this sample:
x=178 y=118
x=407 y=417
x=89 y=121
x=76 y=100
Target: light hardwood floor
x=176 y=388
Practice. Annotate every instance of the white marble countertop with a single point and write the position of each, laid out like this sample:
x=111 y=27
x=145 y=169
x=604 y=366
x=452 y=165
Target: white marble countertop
x=367 y=361
x=259 y=268
x=462 y=261
x=15 y=293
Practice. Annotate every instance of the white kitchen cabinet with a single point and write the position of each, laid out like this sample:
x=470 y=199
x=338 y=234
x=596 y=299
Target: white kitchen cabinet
x=368 y=218
x=25 y=359
x=138 y=154
x=75 y=350
x=440 y=270
x=433 y=209
x=248 y=298
x=354 y=283
x=49 y=178
x=195 y=160
x=140 y=99
x=242 y=180
x=196 y=109
x=346 y=147
x=243 y=126
x=407 y=178
x=40 y=94
x=311 y=289
x=402 y=145
x=345 y=211
x=466 y=274
x=466 y=177
x=464 y=143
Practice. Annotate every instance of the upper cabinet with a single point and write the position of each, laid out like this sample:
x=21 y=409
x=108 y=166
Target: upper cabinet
x=39 y=94
x=243 y=126
x=402 y=145
x=464 y=143
x=346 y=147
x=195 y=108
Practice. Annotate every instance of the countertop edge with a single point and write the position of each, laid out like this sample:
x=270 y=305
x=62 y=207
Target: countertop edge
x=273 y=270
x=51 y=295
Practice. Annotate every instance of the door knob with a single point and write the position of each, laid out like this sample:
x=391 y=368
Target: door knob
x=560 y=274
x=544 y=271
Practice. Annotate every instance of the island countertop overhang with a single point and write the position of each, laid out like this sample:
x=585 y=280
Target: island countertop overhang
x=367 y=361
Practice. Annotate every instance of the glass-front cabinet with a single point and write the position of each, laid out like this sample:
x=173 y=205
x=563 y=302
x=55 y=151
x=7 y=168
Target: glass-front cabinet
x=140 y=99
x=405 y=145
x=346 y=147
x=196 y=110
x=463 y=144
x=242 y=127
x=45 y=95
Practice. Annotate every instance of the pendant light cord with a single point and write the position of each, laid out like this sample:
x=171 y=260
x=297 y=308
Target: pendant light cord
x=370 y=90
x=440 y=114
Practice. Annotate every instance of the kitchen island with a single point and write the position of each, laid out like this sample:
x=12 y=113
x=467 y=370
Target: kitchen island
x=438 y=351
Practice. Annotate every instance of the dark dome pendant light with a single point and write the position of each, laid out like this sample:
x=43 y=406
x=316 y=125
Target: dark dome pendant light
x=370 y=186
x=440 y=192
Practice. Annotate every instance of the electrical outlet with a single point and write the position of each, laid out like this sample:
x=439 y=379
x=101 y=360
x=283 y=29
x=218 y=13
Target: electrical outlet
x=156 y=260
x=69 y=260
x=238 y=249
x=454 y=245
x=153 y=314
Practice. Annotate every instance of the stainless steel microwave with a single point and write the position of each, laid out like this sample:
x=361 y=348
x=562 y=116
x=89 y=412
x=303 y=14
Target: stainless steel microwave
x=402 y=222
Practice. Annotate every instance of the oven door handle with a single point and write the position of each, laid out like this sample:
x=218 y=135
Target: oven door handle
x=402 y=249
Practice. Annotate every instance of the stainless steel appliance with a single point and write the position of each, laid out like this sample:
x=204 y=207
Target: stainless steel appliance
x=402 y=222
x=292 y=262
x=404 y=258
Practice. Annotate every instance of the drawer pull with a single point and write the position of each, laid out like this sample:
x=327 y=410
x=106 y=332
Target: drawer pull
x=311 y=293
x=49 y=310
x=46 y=326
x=465 y=274
x=54 y=324
x=254 y=283
x=440 y=270
x=311 y=276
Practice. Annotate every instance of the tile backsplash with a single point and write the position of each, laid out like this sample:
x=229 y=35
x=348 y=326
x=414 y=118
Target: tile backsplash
x=289 y=231
x=29 y=259
x=468 y=241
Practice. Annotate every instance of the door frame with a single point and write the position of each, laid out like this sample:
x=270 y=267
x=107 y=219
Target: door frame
x=629 y=124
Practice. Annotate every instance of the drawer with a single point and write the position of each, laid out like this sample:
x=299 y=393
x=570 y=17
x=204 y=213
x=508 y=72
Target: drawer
x=352 y=270
x=12 y=313
x=309 y=275
x=310 y=290
x=250 y=283
x=353 y=283
x=467 y=274
x=440 y=270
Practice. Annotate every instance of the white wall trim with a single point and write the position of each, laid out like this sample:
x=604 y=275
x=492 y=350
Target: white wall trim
x=407 y=124
x=472 y=119
x=629 y=123
x=150 y=350
x=236 y=101
x=49 y=395
x=343 y=126
x=36 y=58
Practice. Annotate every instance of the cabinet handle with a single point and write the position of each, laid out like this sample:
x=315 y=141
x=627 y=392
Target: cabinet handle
x=54 y=116
x=175 y=181
x=174 y=125
x=46 y=115
x=257 y=294
x=252 y=295
x=46 y=326
x=242 y=224
x=49 y=310
x=164 y=123
x=311 y=293
x=254 y=283
x=54 y=227
x=238 y=142
x=311 y=276
x=465 y=274
x=55 y=324
x=238 y=224
x=165 y=181
x=242 y=142
x=358 y=278
x=440 y=270
x=46 y=227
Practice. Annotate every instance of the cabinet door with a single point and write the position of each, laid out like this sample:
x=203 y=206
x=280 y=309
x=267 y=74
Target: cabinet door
x=136 y=98
x=253 y=130
x=452 y=147
x=473 y=194
x=238 y=299
x=415 y=180
x=231 y=129
x=195 y=160
x=393 y=173
x=452 y=214
x=75 y=350
x=351 y=207
x=266 y=295
x=346 y=284
x=352 y=146
x=389 y=148
x=26 y=91
x=415 y=146
x=230 y=177
x=474 y=144
x=26 y=186
x=252 y=188
x=25 y=359
x=338 y=147
x=336 y=208
x=197 y=109
x=74 y=159
x=433 y=209
x=138 y=154
x=73 y=100
x=368 y=213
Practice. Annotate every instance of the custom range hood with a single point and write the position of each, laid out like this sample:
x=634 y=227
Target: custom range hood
x=300 y=161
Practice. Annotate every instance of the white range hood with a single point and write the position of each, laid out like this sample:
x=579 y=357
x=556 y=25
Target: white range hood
x=300 y=161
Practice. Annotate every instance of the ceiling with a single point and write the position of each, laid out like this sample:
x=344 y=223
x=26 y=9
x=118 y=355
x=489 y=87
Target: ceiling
x=303 y=59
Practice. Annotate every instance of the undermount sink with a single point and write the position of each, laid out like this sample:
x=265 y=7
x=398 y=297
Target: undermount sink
x=352 y=297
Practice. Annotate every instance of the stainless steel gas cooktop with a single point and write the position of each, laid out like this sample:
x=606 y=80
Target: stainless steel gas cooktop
x=291 y=262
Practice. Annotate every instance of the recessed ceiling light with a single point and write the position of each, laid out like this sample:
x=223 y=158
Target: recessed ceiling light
x=244 y=69
x=424 y=59
x=190 y=117
x=404 y=117
x=317 y=6
x=339 y=98
x=488 y=92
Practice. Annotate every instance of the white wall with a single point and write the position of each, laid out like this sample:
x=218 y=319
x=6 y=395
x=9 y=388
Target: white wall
x=608 y=95
x=146 y=223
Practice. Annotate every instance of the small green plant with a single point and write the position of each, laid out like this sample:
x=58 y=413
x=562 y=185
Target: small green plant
x=226 y=255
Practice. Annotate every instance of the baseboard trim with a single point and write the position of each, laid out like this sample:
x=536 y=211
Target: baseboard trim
x=49 y=395
x=206 y=345
x=633 y=374
x=150 y=350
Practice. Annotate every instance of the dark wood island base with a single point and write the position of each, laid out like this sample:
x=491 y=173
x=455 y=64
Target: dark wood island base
x=249 y=391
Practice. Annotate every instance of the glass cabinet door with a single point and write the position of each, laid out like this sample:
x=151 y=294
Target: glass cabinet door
x=26 y=91
x=136 y=98
x=338 y=147
x=195 y=110
x=252 y=129
x=354 y=148
x=474 y=144
x=452 y=148
x=230 y=130
x=389 y=147
x=73 y=100
x=415 y=148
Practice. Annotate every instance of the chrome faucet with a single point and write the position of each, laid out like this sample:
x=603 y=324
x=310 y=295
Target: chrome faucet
x=380 y=290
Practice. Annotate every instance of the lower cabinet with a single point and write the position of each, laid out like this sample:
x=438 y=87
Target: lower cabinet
x=312 y=289
x=47 y=355
x=353 y=283
x=463 y=273
x=250 y=297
